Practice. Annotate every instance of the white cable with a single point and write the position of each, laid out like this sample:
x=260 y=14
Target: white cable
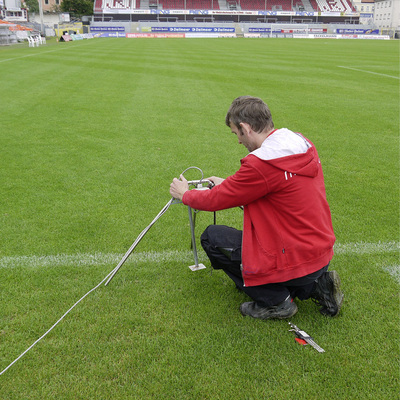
x=110 y=275
x=4 y=370
x=138 y=239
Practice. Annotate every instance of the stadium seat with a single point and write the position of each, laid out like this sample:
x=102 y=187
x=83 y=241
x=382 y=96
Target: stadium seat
x=253 y=4
x=202 y=4
x=335 y=5
x=314 y=5
x=284 y=5
x=98 y=4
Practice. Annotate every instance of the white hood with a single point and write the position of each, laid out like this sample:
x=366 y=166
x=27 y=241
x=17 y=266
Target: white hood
x=282 y=143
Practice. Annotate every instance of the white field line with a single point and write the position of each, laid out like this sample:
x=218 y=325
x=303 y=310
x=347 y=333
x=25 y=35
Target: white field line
x=41 y=52
x=393 y=270
x=96 y=259
x=112 y=258
x=28 y=55
x=86 y=259
x=368 y=72
x=373 y=248
x=366 y=248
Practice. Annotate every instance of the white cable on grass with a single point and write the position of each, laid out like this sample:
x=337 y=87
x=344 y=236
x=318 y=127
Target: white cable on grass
x=109 y=277
x=41 y=337
x=138 y=239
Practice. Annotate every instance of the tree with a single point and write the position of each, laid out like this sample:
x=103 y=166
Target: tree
x=32 y=6
x=77 y=8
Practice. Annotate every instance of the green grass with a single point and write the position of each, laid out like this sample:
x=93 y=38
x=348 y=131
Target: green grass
x=93 y=132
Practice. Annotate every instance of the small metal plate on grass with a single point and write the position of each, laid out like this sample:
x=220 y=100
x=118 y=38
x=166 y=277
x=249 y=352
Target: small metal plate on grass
x=197 y=267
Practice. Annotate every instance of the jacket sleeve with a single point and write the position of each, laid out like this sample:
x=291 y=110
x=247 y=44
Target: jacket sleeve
x=240 y=189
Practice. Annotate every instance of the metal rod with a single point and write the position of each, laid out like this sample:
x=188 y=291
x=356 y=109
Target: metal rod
x=196 y=260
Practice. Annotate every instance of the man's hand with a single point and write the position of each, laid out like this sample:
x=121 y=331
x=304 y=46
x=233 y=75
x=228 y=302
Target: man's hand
x=178 y=187
x=215 y=179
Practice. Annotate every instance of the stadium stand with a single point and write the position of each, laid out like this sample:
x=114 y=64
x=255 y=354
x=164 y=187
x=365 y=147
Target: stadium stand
x=119 y=12
x=190 y=4
x=288 y=5
x=284 y=5
x=15 y=27
x=270 y=5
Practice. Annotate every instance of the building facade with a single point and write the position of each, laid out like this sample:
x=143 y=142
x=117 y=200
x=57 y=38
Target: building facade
x=366 y=9
x=387 y=14
x=51 y=5
x=13 y=11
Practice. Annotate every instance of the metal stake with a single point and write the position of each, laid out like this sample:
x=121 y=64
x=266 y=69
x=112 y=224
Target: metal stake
x=196 y=265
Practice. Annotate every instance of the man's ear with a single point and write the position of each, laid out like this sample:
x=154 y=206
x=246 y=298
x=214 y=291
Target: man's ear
x=246 y=128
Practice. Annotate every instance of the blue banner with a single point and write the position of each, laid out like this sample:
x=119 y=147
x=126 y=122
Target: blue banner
x=193 y=29
x=107 y=29
x=264 y=30
x=358 y=31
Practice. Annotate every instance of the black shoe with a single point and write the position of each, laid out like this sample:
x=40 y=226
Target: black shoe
x=286 y=309
x=327 y=293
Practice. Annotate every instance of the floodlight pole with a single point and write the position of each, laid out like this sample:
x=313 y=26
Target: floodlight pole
x=41 y=16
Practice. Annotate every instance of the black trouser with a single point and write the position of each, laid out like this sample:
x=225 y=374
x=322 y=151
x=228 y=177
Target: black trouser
x=223 y=246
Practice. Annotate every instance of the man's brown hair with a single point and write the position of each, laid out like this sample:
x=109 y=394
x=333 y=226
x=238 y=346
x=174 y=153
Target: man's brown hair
x=251 y=110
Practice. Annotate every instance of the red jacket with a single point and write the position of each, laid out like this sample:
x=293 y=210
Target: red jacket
x=287 y=227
